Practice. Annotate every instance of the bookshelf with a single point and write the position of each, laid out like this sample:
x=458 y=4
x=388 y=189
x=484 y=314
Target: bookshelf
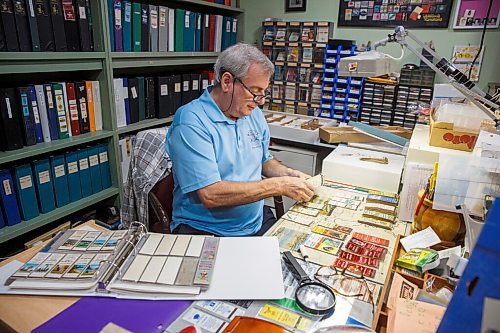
x=101 y=65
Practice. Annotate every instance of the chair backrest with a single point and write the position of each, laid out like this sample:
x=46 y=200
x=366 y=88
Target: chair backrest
x=160 y=201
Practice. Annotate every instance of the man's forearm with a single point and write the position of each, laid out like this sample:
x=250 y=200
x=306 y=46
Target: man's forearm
x=273 y=168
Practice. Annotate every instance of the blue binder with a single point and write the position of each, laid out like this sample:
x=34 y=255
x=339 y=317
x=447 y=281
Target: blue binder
x=25 y=191
x=9 y=208
x=226 y=32
x=2 y=222
x=74 y=187
x=36 y=113
x=95 y=169
x=234 y=30
x=127 y=26
x=104 y=165
x=189 y=31
x=44 y=186
x=111 y=20
x=60 y=179
x=83 y=167
x=197 y=33
x=51 y=111
x=126 y=100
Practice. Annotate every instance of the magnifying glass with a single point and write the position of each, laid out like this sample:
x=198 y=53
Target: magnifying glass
x=312 y=297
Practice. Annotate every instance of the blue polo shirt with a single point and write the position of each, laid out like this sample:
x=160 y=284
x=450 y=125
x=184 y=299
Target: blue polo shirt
x=206 y=147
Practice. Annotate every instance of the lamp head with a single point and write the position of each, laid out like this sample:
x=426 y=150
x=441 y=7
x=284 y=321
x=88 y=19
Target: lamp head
x=366 y=64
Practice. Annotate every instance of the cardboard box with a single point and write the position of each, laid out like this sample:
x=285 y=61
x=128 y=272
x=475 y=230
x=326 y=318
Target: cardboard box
x=349 y=134
x=444 y=134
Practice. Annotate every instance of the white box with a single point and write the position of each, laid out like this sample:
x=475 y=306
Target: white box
x=343 y=165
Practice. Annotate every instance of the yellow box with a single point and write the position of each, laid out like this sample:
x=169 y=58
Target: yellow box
x=444 y=134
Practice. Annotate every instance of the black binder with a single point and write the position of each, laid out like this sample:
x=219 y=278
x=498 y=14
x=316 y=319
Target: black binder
x=83 y=26
x=177 y=94
x=204 y=82
x=81 y=102
x=9 y=25
x=57 y=18
x=164 y=96
x=186 y=89
x=27 y=118
x=89 y=20
x=133 y=99
x=71 y=26
x=205 y=32
x=149 y=90
x=10 y=124
x=3 y=42
x=23 y=30
x=45 y=33
x=195 y=86
x=145 y=28
x=33 y=25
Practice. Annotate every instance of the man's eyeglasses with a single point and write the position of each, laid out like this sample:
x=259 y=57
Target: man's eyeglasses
x=256 y=97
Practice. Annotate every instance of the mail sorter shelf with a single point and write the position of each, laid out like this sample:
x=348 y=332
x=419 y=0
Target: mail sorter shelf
x=159 y=59
x=144 y=124
x=10 y=232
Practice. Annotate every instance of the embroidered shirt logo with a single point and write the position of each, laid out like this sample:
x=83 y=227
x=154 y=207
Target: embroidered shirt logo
x=254 y=138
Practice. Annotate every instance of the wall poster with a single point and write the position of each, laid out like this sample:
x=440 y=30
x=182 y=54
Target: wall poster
x=462 y=59
x=391 y=13
x=471 y=14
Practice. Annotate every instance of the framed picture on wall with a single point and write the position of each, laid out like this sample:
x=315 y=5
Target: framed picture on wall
x=295 y=5
x=471 y=14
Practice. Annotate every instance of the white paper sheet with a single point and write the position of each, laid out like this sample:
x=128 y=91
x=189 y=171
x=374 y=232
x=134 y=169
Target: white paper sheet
x=421 y=239
x=415 y=178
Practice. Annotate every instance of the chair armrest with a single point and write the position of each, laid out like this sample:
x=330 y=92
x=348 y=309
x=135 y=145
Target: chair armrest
x=163 y=222
x=278 y=206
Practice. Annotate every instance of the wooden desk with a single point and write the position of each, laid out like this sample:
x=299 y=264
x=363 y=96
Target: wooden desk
x=20 y=313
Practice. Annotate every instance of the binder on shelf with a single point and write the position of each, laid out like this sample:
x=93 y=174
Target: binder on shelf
x=9 y=25
x=117 y=25
x=111 y=20
x=104 y=166
x=90 y=104
x=197 y=32
x=84 y=25
x=60 y=179
x=89 y=18
x=164 y=96
x=42 y=110
x=145 y=28
x=153 y=28
x=142 y=98
x=44 y=186
x=70 y=26
x=205 y=32
x=2 y=222
x=195 y=86
x=95 y=169
x=83 y=167
x=180 y=16
x=81 y=102
x=189 y=31
x=33 y=107
x=234 y=31
x=219 y=30
x=45 y=32
x=126 y=101
x=121 y=119
x=96 y=97
x=10 y=120
x=66 y=108
x=162 y=29
x=62 y=121
x=133 y=99
x=74 y=187
x=205 y=82
x=149 y=97
x=127 y=26
x=27 y=117
x=8 y=199
x=186 y=89
x=57 y=19
x=3 y=42
x=136 y=26
x=25 y=191
x=23 y=30
x=73 y=108
x=226 y=32
x=33 y=25
x=171 y=29
x=211 y=35
x=177 y=95
x=51 y=111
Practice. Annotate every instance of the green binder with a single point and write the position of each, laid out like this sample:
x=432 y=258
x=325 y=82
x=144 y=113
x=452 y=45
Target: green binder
x=62 y=121
x=179 y=29
x=136 y=27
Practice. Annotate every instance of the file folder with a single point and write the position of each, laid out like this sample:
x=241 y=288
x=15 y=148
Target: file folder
x=33 y=106
x=104 y=165
x=57 y=18
x=25 y=191
x=23 y=31
x=8 y=199
x=83 y=167
x=60 y=179
x=117 y=25
x=33 y=25
x=133 y=98
x=10 y=120
x=70 y=26
x=150 y=98
x=153 y=28
x=45 y=32
x=27 y=117
x=74 y=187
x=142 y=98
x=127 y=26
x=136 y=26
x=51 y=111
x=145 y=28
x=44 y=186
x=9 y=26
x=95 y=169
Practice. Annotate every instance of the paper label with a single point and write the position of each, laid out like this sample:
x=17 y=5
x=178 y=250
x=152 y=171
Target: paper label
x=195 y=85
x=93 y=160
x=154 y=19
x=9 y=111
x=134 y=92
x=6 y=187
x=59 y=171
x=177 y=87
x=72 y=167
x=128 y=12
x=234 y=25
x=25 y=182
x=84 y=164
x=186 y=19
x=163 y=17
x=103 y=157
x=204 y=84
x=83 y=107
x=185 y=86
x=279 y=315
x=163 y=90
x=44 y=177
x=207 y=22
x=228 y=26
x=49 y=98
x=36 y=115
x=32 y=10
x=83 y=16
x=73 y=110
x=198 y=23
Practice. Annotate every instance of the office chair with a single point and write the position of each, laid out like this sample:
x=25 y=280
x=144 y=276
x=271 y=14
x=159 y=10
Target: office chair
x=160 y=203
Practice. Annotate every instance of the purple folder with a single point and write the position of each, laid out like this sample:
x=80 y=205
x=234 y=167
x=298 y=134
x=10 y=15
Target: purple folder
x=91 y=314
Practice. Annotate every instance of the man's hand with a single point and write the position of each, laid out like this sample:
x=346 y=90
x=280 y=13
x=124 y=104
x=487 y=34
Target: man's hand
x=298 y=174
x=296 y=187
